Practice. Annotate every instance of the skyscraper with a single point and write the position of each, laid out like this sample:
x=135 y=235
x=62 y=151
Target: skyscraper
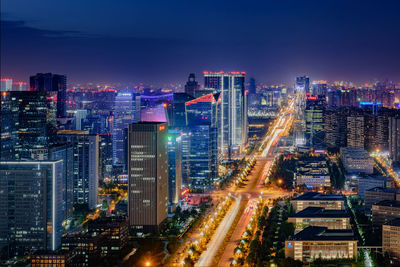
x=232 y=121
x=126 y=111
x=66 y=154
x=176 y=110
x=85 y=165
x=319 y=88
x=314 y=116
x=52 y=82
x=174 y=167
x=148 y=176
x=394 y=139
x=191 y=85
x=303 y=84
x=202 y=120
x=6 y=84
x=252 y=86
x=382 y=132
x=31 y=205
x=355 y=131
x=27 y=123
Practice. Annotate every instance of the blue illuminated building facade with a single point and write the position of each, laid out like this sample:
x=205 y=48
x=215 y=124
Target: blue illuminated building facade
x=31 y=205
x=232 y=118
x=174 y=167
x=126 y=111
x=201 y=115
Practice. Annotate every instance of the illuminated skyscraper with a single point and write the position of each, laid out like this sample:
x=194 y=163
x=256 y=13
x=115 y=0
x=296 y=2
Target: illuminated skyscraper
x=31 y=205
x=303 y=84
x=314 y=116
x=355 y=131
x=394 y=139
x=176 y=109
x=85 y=165
x=126 y=111
x=148 y=176
x=52 y=82
x=6 y=84
x=27 y=123
x=232 y=120
x=174 y=167
x=202 y=118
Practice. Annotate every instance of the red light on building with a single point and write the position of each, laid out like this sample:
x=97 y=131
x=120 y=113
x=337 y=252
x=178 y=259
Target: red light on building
x=312 y=98
x=184 y=192
x=161 y=128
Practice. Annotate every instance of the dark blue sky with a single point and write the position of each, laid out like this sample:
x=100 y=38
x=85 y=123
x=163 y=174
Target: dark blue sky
x=162 y=41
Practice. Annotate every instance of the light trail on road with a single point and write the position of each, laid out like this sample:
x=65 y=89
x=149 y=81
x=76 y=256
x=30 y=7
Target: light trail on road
x=207 y=256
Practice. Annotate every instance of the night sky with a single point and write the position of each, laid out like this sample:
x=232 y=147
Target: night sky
x=162 y=41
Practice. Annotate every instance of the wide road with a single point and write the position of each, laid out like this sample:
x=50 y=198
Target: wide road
x=208 y=255
x=251 y=190
x=255 y=186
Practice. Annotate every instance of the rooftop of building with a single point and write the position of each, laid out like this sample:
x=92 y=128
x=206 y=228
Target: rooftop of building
x=354 y=152
x=318 y=196
x=319 y=212
x=375 y=178
x=316 y=233
x=384 y=190
x=388 y=203
x=72 y=132
x=394 y=222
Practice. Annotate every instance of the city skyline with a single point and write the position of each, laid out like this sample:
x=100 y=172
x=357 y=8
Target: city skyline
x=134 y=41
x=199 y=133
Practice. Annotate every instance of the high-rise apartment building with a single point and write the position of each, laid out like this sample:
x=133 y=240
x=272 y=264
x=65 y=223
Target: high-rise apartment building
x=232 y=118
x=148 y=176
x=382 y=132
x=31 y=205
x=52 y=82
x=394 y=138
x=355 y=131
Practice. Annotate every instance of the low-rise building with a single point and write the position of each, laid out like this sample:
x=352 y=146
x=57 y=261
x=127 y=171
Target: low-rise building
x=320 y=242
x=114 y=229
x=316 y=216
x=86 y=248
x=368 y=182
x=377 y=194
x=356 y=160
x=314 y=199
x=312 y=172
x=46 y=258
x=391 y=237
x=385 y=211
